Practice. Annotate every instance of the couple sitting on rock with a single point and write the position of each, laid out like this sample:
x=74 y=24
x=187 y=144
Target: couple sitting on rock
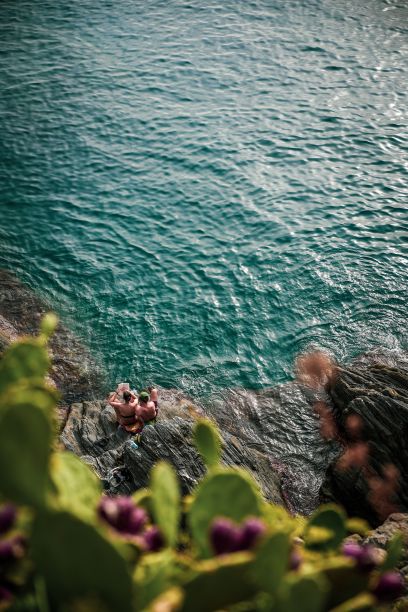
x=133 y=412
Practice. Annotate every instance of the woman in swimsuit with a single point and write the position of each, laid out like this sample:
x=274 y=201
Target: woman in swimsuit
x=126 y=410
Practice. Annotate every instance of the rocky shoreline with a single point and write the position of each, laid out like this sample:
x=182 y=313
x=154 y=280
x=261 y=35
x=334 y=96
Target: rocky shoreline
x=376 y=391
x=91 y=432
x=375 y=388
x=74 y=372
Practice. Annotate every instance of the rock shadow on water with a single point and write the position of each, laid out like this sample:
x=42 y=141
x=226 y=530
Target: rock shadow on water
x=74 y=372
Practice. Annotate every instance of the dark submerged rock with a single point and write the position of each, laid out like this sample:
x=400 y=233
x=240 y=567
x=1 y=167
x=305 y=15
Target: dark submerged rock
x=375 y=388
x=73 y=370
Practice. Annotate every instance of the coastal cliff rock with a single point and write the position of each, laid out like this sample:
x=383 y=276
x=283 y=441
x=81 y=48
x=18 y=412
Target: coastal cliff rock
x=375 y=388
x=272 y=432
x=91 y=432
x=74 y=372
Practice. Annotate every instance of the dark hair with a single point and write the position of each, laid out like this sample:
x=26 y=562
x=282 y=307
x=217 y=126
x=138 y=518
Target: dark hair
x=126 y=396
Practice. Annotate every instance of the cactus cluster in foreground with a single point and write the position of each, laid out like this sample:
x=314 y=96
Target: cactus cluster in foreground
x=65 y=546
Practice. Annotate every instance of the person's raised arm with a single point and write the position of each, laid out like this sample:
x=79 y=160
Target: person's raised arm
x=112 y=401
x=154 y=394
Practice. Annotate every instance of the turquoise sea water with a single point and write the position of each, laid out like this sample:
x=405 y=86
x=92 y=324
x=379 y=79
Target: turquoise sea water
x=204 y=189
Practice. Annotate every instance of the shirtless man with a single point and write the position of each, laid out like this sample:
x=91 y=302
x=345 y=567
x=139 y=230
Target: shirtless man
x=126 y=410
x=147 y=407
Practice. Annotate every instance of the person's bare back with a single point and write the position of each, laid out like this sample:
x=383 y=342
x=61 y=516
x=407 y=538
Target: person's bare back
x=125 y=410
x=147 y=405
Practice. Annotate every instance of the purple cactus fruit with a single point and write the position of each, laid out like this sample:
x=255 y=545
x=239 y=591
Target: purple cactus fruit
x=365 y=556
x=125 y=506
x=108 y=510
x=225 y=536
x=122 y=514
x=136 y=522
x=368 y=559
x=295 y=560
x=8 y=515
x=153 y=539
x=5 y=595
x=390 y=586
x=250 y=533
x=352 y=550
x=12 y=549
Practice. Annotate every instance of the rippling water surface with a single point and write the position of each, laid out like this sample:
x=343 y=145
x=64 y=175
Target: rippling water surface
x=205 y=189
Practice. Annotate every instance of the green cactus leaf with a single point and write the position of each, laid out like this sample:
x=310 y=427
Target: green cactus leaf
x=25 y=603
x=153 y=576
x=31 y=392
x=166 y=500
x=326 y=528
x=26 y=358
x=357 y=525
x=304 y=593
x=230 y=493
x=169 y=601
x=271 y=562
x=318 y=537
x=49 y=324
x=208 y=442
x=25 y=448
x=365 y=602
x=77 y=561
x=394 y=552
x=345 y=582
x=78 y=489
x=218 y=583
x=278 y=517
x=143 y=498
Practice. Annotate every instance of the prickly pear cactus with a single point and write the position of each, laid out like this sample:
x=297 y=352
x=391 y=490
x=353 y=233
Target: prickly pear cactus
x=208 y=442
x=76 y=560
x=326 y=529
x=271 y=562
x=76 y=487
x=304 y=593
x=218 y=583
x=26 y=435
x=166 y=500
x=221 y=548
x=231 y=493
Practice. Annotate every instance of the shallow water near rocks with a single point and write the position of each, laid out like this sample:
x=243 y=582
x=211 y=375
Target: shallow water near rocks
x=204 y=190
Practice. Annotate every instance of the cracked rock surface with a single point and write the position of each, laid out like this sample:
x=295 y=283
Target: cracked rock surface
x=375 y=388
x=91 y=432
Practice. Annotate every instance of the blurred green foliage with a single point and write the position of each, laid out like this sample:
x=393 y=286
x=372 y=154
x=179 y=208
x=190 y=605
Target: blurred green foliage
x=208 y=442
x=76 y=488
x=75 y=562
x=165 y=501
